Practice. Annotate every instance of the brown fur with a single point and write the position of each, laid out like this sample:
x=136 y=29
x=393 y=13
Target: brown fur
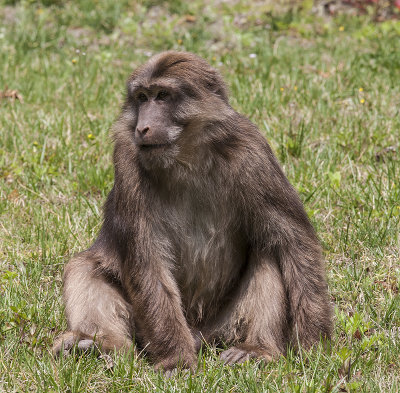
x=203 y=235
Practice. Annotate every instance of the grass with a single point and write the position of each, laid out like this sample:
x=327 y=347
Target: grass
x=325 y=93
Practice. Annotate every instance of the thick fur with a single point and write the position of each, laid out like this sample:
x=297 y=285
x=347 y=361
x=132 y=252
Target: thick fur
x=202 y=238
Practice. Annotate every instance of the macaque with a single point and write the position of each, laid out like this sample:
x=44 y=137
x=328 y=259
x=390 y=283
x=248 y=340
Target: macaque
x=203 y=239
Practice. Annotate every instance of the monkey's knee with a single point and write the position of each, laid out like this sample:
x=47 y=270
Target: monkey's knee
x=256 y=321
x=95 y=305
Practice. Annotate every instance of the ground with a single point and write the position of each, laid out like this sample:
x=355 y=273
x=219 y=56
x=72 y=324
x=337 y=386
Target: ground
x=323 y=89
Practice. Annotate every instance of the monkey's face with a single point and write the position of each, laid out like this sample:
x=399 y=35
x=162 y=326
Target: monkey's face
x=154 y=129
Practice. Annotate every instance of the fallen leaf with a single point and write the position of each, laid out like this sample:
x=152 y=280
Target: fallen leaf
x=357 y=334
x=386 y=152
x=345 y=369
x=190 y=18
x=13 y=195
x=389 y=284
x=11 y=94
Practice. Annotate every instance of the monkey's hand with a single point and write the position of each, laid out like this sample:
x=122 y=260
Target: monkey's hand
x=237 y=355
x=173 y=364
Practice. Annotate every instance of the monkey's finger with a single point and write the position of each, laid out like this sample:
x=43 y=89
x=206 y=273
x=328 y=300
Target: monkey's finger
x=64 y=344
x=235 y=355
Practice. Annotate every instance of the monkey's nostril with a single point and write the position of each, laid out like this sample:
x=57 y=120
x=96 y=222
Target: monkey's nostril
x=142 y=131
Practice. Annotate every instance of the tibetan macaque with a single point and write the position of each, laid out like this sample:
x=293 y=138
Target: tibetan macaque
x=204 y=238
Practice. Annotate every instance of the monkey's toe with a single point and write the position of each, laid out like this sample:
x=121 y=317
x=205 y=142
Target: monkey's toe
x=64 y=344
x=86 y=345
x=236 y=355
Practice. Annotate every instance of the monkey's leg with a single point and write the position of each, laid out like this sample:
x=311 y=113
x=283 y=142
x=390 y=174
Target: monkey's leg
x=255 y=321
x=97 y=312
x=307 y=292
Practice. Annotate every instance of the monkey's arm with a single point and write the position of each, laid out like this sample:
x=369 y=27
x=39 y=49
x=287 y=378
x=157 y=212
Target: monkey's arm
x=161 y=325
x=277 y=225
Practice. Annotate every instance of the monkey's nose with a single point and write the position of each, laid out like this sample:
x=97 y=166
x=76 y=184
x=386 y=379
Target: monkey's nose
x=142 y=131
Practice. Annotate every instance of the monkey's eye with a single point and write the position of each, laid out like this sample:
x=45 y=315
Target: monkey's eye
x=162 y=95
x=142 y=97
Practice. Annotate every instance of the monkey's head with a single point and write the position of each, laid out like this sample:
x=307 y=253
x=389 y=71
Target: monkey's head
x=169 y=102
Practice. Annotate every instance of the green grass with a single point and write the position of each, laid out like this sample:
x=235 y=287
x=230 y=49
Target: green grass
x=326 y=94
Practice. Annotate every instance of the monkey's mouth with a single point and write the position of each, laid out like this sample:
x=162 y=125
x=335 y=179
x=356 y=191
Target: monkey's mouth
x=153 y=146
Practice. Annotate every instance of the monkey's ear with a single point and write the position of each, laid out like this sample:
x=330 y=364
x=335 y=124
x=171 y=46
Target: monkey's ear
x=128 y=89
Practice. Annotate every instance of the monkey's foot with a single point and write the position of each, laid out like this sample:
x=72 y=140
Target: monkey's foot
x=69 y=340
x=236 y=355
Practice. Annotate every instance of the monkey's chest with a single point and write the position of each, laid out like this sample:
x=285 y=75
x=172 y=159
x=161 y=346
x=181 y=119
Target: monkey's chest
x=209 y=255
